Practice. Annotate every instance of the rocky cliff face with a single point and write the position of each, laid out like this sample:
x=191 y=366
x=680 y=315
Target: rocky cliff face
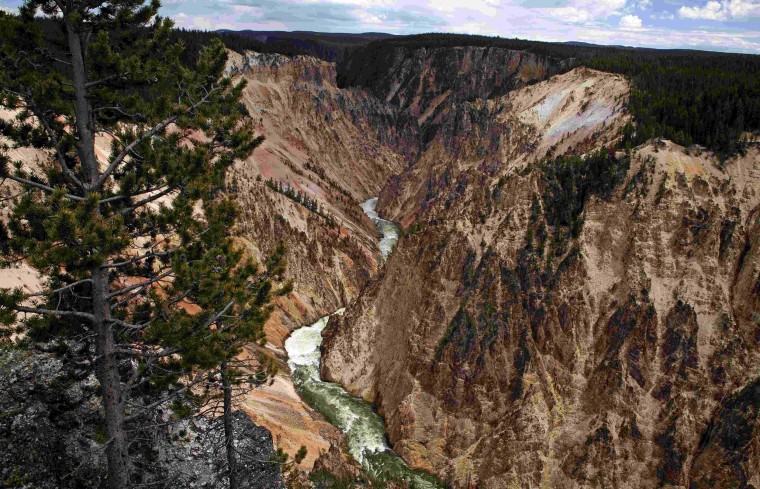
x=51 y=427
x=559 y=325
x=321 y=143
x=427 y=86
x=318 y=144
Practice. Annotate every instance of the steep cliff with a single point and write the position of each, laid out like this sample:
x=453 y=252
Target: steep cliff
x=427 y=86
x=568 y=322
x=318 y=146
x=322 y=157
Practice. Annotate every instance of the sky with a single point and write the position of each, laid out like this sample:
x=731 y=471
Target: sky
x=717 y=25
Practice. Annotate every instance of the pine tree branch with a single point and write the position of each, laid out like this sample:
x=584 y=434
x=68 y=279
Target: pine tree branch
x=56 y=142
x=115 y=198
x=136 y=259
x=106 y=79
x=173 y=395
x=219 y=314
x=41 y=186
x=126 y=299
x=126 y=325
x=150 y=199
x=146 y=353
x=58 y=291
x=141 y=284
x=54 y=312
x=152 y=132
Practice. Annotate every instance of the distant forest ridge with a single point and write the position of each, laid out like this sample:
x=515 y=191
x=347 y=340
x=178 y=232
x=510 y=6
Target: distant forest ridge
x=690 y=97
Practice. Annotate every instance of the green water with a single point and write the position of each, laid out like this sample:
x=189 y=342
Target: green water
x=363 y=427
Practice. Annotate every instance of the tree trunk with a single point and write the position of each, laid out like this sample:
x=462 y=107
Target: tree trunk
x=86 y=141
x=110 y=385
x=229 y=434
x=106 y=364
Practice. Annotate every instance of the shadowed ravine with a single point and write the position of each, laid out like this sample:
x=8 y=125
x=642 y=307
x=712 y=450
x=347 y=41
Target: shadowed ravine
x=363 y=427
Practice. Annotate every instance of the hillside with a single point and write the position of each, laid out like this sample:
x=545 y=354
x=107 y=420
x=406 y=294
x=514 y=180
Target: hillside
x=542 y=325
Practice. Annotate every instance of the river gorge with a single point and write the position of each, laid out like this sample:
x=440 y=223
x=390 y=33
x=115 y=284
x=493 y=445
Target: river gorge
x=364 y=428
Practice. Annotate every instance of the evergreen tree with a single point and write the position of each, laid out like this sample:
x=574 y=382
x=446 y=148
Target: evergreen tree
x=136 y=246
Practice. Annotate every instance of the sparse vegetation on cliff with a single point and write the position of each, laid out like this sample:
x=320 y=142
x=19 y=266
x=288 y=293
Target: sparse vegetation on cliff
x=301 y=198
x=570 y=181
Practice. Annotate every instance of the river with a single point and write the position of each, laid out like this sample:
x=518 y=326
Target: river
x=364 y=428
x=388 y=230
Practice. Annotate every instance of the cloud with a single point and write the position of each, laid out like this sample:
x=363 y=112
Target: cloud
x=630 y=22
x=584 y=11
x=723 y=10
x=645 y=4
x=594 y=21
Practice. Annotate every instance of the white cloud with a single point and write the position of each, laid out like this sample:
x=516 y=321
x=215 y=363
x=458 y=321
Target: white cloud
x=354 y=3
x=645 y=4
x=244 y=9
x=583 y=11
x=487 y=7
x=711 y=11
x=723 y=10
x=630 y=22
x=595 y=21
x=202 y=22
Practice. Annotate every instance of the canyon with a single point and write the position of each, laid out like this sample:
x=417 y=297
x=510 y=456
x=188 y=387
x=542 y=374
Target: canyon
x=505 y=351
x=561 y=309
x=503 y=345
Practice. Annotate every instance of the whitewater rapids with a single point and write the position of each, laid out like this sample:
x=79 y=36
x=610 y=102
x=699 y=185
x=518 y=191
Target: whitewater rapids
x=364 y=428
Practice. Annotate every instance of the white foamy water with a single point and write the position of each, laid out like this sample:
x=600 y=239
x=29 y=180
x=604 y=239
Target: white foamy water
x=388 y=230
x=364 y=428
x=352 y=415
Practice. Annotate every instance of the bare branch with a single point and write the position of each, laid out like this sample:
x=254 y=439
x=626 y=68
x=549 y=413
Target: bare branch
x=126 y=325
x=148 y=200
x=115 y=198
x=42 y=187
x=136 y=259
x=141 y=284
x=58 y=291
x=103 y=80
x=55 y=312
x=218 y=315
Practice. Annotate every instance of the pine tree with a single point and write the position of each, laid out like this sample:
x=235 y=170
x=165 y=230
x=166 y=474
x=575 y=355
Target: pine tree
x=136 y=246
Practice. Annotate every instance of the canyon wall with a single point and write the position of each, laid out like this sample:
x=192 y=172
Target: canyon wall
x=563 y=326
x=319 y=143
x=322 y=143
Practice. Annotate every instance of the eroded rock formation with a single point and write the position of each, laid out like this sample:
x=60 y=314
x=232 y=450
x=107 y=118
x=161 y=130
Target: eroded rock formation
x=506 y=345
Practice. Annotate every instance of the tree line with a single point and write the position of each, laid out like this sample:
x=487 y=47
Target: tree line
x=311 y=204
x=691 y=97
